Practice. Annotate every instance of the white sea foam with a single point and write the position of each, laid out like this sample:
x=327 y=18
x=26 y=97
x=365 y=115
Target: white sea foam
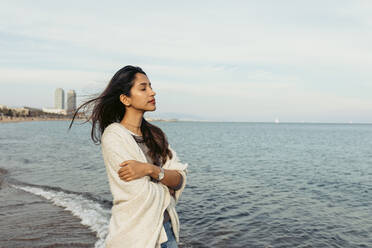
x=91 y=213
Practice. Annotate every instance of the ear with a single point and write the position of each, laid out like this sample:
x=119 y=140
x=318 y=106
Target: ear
x=125 y=100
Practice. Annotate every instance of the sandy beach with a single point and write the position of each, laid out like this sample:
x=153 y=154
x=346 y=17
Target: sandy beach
x=23 y=119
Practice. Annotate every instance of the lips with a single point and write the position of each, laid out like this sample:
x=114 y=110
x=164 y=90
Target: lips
x=152 y=101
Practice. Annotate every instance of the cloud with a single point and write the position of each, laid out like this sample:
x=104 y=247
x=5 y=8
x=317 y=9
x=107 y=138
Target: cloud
x=226 y=35
x=254 y=56
x=68 y=78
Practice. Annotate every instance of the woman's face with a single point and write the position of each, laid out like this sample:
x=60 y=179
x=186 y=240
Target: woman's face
x=142 y=97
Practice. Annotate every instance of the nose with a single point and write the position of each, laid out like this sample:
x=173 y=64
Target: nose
x=152 y=92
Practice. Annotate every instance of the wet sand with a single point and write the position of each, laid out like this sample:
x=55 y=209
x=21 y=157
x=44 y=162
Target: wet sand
x=30 y=221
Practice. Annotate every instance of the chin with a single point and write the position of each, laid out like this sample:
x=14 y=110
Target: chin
x=151 y=109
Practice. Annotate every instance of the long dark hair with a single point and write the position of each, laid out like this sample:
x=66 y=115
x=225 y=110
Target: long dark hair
x=107 y=109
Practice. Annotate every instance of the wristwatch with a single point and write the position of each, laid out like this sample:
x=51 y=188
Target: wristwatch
x=161 y=174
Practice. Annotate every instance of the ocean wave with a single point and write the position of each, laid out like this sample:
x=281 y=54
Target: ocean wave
x=93 y=212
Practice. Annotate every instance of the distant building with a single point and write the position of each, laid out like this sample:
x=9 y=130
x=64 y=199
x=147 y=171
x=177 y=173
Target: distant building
x=34 y=112
x=59 y=99
x=16 y=112
x=71 y=101
x=55 y=111
x=21 y=111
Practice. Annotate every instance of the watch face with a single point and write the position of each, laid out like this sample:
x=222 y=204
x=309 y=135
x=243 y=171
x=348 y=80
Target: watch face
x=161 y=174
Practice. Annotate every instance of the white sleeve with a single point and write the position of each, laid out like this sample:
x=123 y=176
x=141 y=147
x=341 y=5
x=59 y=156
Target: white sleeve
x=114 y=153
x=175 y=164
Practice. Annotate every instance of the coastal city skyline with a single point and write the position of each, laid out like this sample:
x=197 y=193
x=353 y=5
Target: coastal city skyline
x=61 y=108
x=249 y=61
x=62 y=104
x=59 y=99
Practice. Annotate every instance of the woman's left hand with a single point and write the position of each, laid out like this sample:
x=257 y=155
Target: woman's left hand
x=132 y=169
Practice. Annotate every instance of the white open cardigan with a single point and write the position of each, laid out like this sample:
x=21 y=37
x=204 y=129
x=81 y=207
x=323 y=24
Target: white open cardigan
x=138 y=205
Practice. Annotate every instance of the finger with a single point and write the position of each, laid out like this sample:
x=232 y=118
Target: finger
x=128 y=177
x=124 y=173
x=124 y=163
x=124 y=169
x=125 y=177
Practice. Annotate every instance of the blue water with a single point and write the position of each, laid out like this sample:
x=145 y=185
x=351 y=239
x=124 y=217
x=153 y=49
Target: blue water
x=249 y=184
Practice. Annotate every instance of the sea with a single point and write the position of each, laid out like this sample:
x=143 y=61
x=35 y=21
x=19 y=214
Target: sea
x=248 y=185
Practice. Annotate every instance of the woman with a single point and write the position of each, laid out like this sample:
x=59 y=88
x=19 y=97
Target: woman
x=145 y=175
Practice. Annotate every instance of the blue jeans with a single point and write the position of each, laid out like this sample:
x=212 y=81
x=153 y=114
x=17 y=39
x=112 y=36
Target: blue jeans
x=171 y=243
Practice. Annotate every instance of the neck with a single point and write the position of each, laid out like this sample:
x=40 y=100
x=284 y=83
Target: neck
x=132 y=120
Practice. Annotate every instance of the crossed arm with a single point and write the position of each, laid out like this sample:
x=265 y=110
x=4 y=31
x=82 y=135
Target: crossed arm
x=132 y=169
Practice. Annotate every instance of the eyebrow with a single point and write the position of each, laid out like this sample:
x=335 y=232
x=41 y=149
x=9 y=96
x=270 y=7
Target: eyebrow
x=144 y=83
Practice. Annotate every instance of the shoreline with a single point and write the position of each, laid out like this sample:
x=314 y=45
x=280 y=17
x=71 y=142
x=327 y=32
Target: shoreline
x=33 y=221
x=26 y=119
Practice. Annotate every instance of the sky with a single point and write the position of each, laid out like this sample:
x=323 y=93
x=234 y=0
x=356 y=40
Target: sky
x=257 y=61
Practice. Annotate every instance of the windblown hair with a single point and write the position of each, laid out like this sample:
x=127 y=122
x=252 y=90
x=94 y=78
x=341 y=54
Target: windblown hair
x=107 y=108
